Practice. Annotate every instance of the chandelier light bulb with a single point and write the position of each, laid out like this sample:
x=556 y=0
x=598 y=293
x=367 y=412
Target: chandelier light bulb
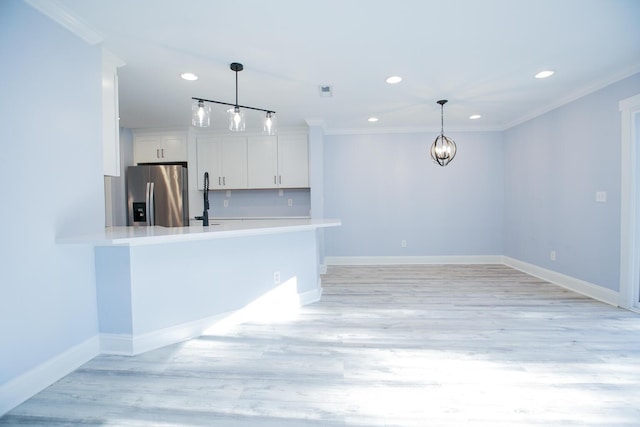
x=236 y=122
x=269 y=127
x=201 y=115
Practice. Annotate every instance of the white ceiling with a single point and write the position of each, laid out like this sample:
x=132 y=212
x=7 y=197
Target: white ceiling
x=481 y=55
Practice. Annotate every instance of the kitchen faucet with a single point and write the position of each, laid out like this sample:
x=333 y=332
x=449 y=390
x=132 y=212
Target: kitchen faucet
x=205 y=213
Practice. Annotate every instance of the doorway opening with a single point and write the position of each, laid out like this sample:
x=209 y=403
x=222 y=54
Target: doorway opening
x=630 y=204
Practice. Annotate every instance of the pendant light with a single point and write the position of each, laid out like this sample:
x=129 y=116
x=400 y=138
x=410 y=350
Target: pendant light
x=201 y=113
x=270 y=126
x=443 y=149
x=236 y=117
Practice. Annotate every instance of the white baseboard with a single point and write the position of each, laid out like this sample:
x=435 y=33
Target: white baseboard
x=580 y=286
x=403 y=260
x=311 y=296
x=131 y=345
x=42 y=376
x=121 y=344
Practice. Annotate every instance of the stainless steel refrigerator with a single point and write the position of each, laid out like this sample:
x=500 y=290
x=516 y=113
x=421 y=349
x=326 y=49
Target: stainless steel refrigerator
x=157 y=195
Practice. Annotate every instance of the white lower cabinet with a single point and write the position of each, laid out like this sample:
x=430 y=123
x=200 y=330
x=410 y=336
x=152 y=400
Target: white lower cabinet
x=278 y=161
x=225 y=159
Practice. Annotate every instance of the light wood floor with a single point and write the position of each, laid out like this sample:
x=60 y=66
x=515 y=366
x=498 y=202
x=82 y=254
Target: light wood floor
x=386 y=346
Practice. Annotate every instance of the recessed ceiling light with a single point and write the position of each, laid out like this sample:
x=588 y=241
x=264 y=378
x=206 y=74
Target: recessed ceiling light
x=475 y=116
x=544 y=74
x=189 y=76
x=372 y=119
x=394 y=79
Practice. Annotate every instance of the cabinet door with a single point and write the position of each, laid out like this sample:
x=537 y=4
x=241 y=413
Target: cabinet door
x=208 y=160
x=234 y=162
x=160 y=148
x=110 y=115
x=293 y=161
x=262 y=162
x=146 y=148
x=173 y=149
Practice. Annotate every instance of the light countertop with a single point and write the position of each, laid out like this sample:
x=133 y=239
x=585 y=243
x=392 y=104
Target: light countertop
x=217 y=229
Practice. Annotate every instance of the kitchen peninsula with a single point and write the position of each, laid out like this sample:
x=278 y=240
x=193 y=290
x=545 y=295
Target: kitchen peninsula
x=157 y=286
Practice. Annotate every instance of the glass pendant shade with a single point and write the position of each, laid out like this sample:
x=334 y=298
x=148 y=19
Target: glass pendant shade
x=236 y=120
x=443 y=150
x=200 y=114
x=270 y=126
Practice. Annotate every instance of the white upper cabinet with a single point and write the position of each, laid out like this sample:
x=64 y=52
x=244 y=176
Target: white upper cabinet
x=225 y=159
x=160 y=147
x=110 y=114
x=293 y=161
x=278 y=161
x=263 y=161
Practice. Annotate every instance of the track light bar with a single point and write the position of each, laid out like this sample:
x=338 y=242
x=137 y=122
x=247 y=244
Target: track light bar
x=233 y=105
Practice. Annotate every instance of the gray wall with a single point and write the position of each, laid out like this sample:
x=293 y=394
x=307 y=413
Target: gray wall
x=52 y=185
x=386 y=189
x=554 y=164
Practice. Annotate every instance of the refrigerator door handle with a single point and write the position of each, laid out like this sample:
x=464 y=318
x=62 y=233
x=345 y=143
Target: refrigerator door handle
x=152 y=210
x=146 y=203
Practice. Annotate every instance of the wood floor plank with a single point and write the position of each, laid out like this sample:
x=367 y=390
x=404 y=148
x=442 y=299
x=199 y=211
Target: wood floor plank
x=416 y=345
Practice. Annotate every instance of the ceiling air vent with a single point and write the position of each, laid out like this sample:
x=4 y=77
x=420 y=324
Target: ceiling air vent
x=325 y=91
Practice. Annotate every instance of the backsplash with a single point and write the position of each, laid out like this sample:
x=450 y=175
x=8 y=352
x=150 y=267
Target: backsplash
x=259 y=203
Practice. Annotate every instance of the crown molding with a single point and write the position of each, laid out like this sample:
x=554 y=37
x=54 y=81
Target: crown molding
x=317 y=123
x=404 y=130
x=583 y=91
x=59 y=14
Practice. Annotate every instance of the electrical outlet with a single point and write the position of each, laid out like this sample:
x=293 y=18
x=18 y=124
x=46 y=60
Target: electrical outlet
x=276 y=277
x=403 y=243
x=225 y=203
x=601 y=196
x=228 y=193
x=552 y=256
x=290 y=202
x=280 y=193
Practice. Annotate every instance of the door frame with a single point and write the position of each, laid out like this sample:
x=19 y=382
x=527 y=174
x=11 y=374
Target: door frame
x=630 y=205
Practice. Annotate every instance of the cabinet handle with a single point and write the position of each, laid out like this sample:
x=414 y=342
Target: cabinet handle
x=157 y=153
x=162 y=150
x=274 y=179
x=219 y=181
x=224 y=180
x=279 y=179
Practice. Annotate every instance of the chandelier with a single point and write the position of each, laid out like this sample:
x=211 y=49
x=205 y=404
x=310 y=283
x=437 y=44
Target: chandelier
x=443 y=149
x=201 y=112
